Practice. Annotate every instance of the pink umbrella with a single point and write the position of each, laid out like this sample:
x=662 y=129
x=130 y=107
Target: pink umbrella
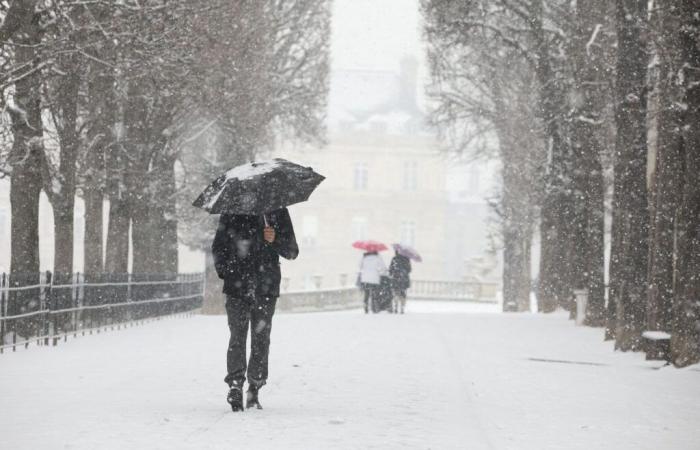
x=408 y=252
x=370 y=246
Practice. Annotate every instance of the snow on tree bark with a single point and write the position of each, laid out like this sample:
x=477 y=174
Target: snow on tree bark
x=630 y=216
x=591 y=81
x=666 y=177
x=654 y=249
x=21 y=26
x=484 y=86
x=685 y=338
x=557 y=216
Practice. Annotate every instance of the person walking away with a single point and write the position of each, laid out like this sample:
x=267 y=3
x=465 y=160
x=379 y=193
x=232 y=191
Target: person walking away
x=372 y=268
x=246 y=252
x=399 y=271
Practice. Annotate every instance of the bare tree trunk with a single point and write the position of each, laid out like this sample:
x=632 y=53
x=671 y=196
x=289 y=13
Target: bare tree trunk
x=125 y=175
x=121 y=207
x=667 y=175
x=588 y=256
x=26 y=158
x=63 y=235
x=139 y=177
x=556 y=238
x=517 y=218
x=92 y=251
x=546 y=296
x=101 y=136
x=517 y=208
x=516 y=271
x=168 y=253
x=685 y=341
x=165 y=216
x=595 y=254
x=117 y=251
x=144 y=256
x=63 y=199
x=154 y=225
x=63 y=208
x=615 y=270
x=630 y=213
x=662 y=243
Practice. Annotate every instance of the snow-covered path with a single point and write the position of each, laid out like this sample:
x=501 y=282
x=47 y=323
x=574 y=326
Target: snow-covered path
x=345 y=380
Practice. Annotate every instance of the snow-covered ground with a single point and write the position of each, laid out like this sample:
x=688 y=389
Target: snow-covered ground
x=439 y=380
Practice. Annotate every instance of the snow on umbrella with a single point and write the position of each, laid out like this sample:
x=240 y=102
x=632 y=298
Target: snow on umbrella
x=408 y=252
x=258 y=188
x=370 y=246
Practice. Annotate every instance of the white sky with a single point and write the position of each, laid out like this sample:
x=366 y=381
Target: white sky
x=375 y=34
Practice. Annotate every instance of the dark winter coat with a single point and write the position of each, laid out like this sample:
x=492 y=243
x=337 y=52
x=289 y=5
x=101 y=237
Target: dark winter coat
x=245 y=261
x=399 y=270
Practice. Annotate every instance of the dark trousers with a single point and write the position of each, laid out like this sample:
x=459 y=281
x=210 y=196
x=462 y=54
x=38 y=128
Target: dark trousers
x=399 y=301
x=371 y=291
x=257 y=311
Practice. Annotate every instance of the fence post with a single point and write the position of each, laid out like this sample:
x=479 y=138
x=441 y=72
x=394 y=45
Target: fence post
x=75 y=292
x=3 y=284
x=129 y=312
x=203 y=283
x=51 y=324
x=581 y=305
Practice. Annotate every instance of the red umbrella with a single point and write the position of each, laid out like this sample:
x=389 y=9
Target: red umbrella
x=370 y=246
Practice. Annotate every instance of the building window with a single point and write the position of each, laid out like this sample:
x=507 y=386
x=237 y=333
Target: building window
x=408 y=232
x=359 y=228
x=346 y=125
x=378 y=127
x=361 y=176
x=410 y=175
x=309 y=233
x=309 y=282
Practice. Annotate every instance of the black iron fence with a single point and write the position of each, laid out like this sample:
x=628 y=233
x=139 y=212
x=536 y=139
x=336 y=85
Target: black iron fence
x=44 y=308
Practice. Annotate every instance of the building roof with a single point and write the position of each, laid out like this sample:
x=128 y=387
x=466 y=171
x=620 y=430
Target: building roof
x=383 y=102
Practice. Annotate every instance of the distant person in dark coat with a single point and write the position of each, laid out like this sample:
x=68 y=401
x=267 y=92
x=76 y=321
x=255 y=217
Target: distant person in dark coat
x=246 y=253
x=399 y=271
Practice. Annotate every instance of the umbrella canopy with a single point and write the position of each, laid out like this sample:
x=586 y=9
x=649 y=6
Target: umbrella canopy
x=370 y=246
x=408 y=252
x=258 y=188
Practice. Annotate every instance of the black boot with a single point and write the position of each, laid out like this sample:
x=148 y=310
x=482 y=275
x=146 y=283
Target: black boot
x=235 y=398
x=252 y=398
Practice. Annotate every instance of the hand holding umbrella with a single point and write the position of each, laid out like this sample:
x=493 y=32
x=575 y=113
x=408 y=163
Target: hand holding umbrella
x=269 y=234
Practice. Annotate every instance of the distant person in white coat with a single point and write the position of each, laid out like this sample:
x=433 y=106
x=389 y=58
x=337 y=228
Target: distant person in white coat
x=372 y=268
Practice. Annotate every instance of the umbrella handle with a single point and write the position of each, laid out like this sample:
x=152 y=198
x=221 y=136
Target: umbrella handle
x=265 y=220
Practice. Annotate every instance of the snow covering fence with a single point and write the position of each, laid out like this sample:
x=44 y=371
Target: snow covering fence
x=320 y=300
x=340 y=298
x=465 y=291
x=350 y=297
x=38 y=308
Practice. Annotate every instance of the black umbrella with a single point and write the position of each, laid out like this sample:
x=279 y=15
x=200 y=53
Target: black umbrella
x=258 y=188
